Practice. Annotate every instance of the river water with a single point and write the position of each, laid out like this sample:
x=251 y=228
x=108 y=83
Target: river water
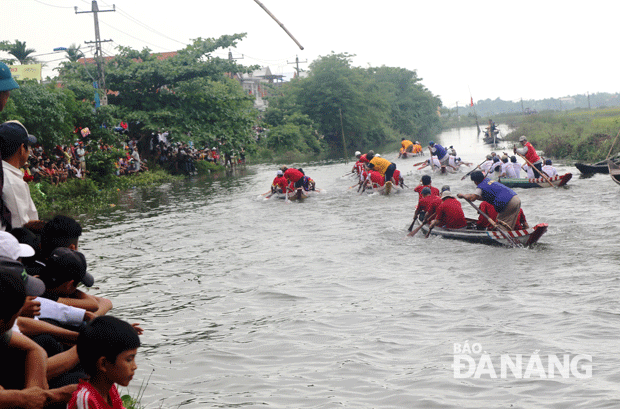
x=248 y=302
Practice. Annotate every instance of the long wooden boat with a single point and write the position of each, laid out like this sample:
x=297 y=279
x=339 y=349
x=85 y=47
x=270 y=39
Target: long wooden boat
x=614 y=171
x=598 y=167
x=525 y=237
x=298 y=194
x=557 y=180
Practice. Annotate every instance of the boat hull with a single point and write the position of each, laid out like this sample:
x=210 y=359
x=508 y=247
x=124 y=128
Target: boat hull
x=525 y=237
x=614 y=171
x=558 y=181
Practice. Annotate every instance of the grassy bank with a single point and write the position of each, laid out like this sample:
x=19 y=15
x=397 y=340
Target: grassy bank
x=585 y=135
x=78 y=196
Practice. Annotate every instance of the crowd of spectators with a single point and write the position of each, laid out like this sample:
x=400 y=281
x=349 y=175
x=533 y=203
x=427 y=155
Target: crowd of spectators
x=59 y=347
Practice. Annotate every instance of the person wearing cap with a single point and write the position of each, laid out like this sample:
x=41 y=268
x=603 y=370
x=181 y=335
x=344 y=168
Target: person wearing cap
x=427 y=205
x=439 y=151
x=426 y=182
x=529 y=153
x=26 y=368
x=505 y=201
x=279 y=182
x=449 y=214
x=549 y=169
x=15 y=143
x=7 y=84
x=63 y=271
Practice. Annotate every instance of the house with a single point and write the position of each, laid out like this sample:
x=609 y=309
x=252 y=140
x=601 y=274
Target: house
x=254 y=84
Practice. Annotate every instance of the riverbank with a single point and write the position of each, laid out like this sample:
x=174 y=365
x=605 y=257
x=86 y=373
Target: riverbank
x=582 y=134
x=80 y=196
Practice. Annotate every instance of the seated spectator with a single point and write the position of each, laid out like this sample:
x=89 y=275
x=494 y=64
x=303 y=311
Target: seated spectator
x=107 y=349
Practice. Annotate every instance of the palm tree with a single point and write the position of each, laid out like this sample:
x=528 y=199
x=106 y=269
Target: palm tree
x=74 y=53
x=19 y=51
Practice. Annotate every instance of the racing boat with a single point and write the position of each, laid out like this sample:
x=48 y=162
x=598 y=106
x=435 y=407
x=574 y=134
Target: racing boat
x=525 y=237
x=557 y=180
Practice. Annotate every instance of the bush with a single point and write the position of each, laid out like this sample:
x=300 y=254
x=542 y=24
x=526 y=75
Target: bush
x=204 y=167
x=101 y=166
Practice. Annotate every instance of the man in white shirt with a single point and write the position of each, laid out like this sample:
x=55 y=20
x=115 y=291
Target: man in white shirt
x=549 y=169
x=15 y=145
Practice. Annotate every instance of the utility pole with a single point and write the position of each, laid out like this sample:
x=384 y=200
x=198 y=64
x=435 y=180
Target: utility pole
x=297 y=62
x=522 y=109
x=457 y=111
x=589 y=108
x=98 y=52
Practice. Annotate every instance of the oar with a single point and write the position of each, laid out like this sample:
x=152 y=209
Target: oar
x=431 y=159
x=417 y=229
x=472 y=171
x=511 y=240
x=542 y=174
x=612 y=145
x=412 y=223
x=263 y=194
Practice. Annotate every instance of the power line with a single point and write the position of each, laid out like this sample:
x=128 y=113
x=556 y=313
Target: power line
x=52 y=5
x=143 y=25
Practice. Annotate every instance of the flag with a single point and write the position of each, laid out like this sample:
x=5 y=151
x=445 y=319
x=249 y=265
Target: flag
x=472 y=101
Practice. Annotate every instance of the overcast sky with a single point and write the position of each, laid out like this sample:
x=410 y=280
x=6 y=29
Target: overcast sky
x=497 y=49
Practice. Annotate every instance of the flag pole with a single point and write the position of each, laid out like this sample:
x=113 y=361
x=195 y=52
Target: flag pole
x=475 y=114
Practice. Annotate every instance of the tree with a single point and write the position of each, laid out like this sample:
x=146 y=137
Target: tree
x=333 y=86
x=73 y=53
x=19 y=51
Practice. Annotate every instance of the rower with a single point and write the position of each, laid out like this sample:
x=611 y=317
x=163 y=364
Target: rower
x=383 y=166
x=529 y=153
x=426 y=182
x=549 y=169
x=505 y=201
x=449 y=213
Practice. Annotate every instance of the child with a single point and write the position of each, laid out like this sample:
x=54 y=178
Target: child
x=107 y=349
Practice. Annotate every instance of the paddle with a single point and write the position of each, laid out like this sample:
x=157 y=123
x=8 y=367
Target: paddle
x=612 y=145
x=542 y=174
x=512 y=241
x=472 y=171
x=263 y=194
x=417 y=229
x=412 y=223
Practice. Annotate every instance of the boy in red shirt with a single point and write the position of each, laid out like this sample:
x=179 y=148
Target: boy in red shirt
x=279 y=182
x=426 y=182
x=107 y=348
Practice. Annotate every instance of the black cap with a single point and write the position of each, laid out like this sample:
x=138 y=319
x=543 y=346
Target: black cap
x=32 y=285
x=14 y=132
x=65 y=264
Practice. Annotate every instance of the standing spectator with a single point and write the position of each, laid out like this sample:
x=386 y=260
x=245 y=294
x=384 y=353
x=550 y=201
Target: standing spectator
x=15 y=145
x=81 y=153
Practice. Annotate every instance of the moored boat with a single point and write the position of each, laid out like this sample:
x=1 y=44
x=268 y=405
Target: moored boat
x=598 y=167
x=557 y=181
x=614 y=171
x=525 y=237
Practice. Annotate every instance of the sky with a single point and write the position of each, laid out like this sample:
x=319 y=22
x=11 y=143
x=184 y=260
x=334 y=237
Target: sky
x=461 y=49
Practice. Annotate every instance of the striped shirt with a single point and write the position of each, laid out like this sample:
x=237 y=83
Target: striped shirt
x=87 y=397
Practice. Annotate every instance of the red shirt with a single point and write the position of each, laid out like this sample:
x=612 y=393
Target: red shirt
x=450 y=214
x=520 y=220
x=490 y=211
x=87 y=397
x=293 y=175
x=531 y=154
x=376 y=178
x=429 y=204
x=434 y=190
x=363 y=159
x=396 y=177
x=280 y=181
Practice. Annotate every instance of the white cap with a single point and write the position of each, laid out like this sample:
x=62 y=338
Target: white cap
x=280 y=173
x=13 y=249
x=377 y=155
x=522 y=138
x=358 y=153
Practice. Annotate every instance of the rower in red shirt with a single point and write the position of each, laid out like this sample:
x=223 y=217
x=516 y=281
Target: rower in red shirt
x=294 y=176
x=279 y=182
x=426 y=181
x=375 y=179
x=427 y=205
x=483 y=222
x=449 y=213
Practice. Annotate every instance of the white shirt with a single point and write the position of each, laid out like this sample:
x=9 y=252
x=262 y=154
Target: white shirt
x=529 y=171
x=550 y=170
x=16 y=197
x=517 y=169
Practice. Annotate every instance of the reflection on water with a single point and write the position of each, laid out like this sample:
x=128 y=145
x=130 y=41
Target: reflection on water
x=253 y=302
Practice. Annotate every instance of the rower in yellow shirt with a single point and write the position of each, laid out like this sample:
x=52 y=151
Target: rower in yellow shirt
x=383 y=166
